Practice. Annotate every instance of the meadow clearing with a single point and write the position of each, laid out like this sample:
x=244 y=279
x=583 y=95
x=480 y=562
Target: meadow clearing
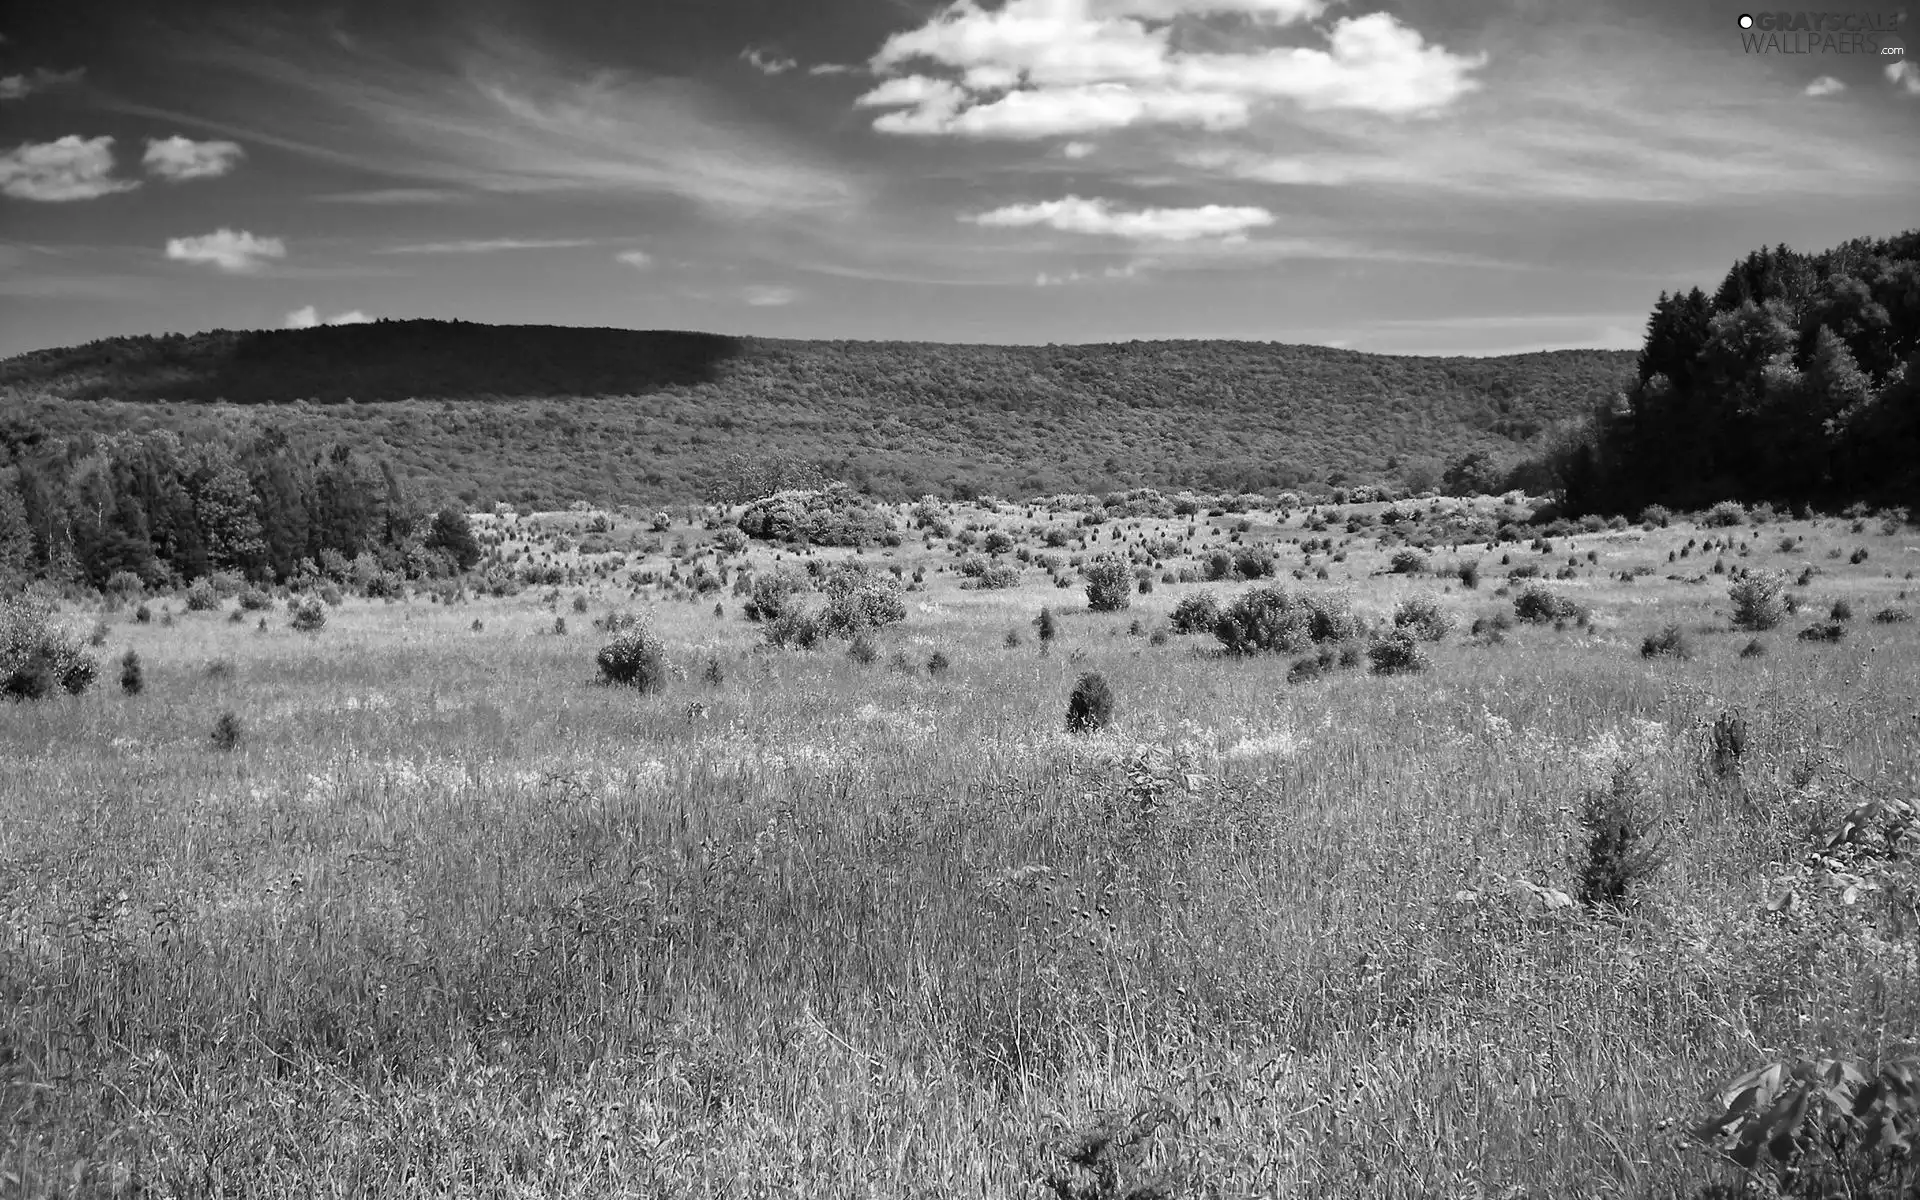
x=453 y=917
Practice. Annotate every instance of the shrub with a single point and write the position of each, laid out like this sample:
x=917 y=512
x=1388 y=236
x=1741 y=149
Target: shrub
x=1858 y=556
x=772 y=594
x=1621 y=851
x=1668 y=643
x=938 y=663
x=1727 y=742
x=1197 y=613
x=1409 y=562
x=1469 y=573
x=794 y=628
x=1046 y=627
x=1090 y=707
x=634 y=658
x=1254 y=562
x=1540 y=606
x=226 y=733
x=1753 y=649
x=580 y=603
x=255 y=600
x=98 y=637
x=309 y=616
x=132 y=678
x=1270 y=619
x=201 y=597
x=1655 y=516
x=997 y=576
x=1396 y=653
x=862 y=651
x=859 y=600
x=143 y=615
x=1108 y=584
x=1724 y=515
x=1842 y=610
x=1757 y=601
x=1824 y=631
x=38 y=658
x=1422 y=618
x=1892 y=616
x=559 y=627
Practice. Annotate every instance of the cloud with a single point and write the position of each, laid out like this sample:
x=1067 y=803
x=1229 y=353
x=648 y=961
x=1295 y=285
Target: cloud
x=489 y=246
x=1042 y=68
x=226 y=250
x=70 y=168
x=831 y=69
x=178 y=159
x=1825 y=85
x=308 y=317
x=769 y=295
x=1905 y=76
x=19 y=87
x=1098 y=217
x=1077 y=149
x=760 y=61
x=400 y=195
x=638 y=259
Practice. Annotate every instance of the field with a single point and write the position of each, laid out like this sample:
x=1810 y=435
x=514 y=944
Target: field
x=452 y=917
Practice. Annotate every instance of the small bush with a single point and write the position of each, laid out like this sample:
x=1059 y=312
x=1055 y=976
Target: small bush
x=634 y=658
x=1270 y=619
x=1824 y=631
x=309 y=616
x=1469 y=574
x=1409 y=562
x=1842 y=610
x=1046 y=627
x=1196 y=613
x=1892 y=616
x=1422 y=618
x=1541 y=606
x=1725 y=515
x=1655 y=516
x=1758 y=601
x=795 y=628
x=255 y=600
x=98 y=636
x=1396 y=653
x=143 y=614
x=1668 y=643
x=132 y=678
x=1858 y=556
x=938 y=663
x=226 y=735
x=201 y=596
x=1090 y=707
x=1753 y=649
x=859 y=600
x=38 y=658
x=1727 y=742
x=1108 y=585
x=862 y=650
x=560 y=627
x=1621 y=852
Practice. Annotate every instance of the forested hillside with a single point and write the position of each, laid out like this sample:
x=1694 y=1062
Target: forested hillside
x=545 y=415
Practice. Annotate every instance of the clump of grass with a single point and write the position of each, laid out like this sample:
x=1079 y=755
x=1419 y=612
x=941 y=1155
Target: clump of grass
x=580 y=603
x=1012 y=640
x=938 y=663
x=227 y=734
x=98 y=637
x=634 y=658
x=861 y=651
x=132 y=677
x=1622 y=850
x=714 y=673
x=1090 y=706
x=1669 y=642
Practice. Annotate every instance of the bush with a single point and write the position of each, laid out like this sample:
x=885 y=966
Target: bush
x=1842 y=610
x=36 y=657
x=1621 y=851
x=132 y=678
x=997 y=576
x=1469 y=573
x=938 y=663
x=1668 y=643
x=1892 y=616
x=1824 y=631
x=143 y=615
x=1858 y=556
x=773 y=593
x=1422 y=618
x=794 y=628
x=226 y=733
x=1109 y=584
x=255 y=600
x=1396 y=653
x=1727 y=742
x=1270 y=619
x=1409 y=562
x=1196 y=613
x=1540 y=606
x=860 y=600
x=309 y=616
x=1046 y=627
x=1725 y=515
x=1753 y=649
x=201 y=596
x=1758 y=601
x=634 y=658
x=1090 y=707
x=1254 y=562
x=862 y=651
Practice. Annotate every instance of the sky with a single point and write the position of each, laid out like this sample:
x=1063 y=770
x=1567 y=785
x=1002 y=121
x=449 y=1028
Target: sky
x=1433 y=176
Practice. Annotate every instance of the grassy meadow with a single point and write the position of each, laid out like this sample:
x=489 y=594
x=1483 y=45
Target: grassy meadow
x=454 y=918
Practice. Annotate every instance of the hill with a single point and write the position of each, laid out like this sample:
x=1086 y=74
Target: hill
x=548 y=415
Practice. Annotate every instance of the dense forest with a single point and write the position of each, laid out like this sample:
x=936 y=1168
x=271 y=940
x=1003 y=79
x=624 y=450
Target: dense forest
x=1797 y=381
x=545 y=416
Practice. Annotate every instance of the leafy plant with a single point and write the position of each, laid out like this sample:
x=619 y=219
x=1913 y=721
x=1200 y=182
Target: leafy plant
x=634 y=658
x=1839 y=1127
x=1621 y=851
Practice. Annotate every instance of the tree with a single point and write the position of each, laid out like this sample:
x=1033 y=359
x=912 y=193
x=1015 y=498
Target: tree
x=1473 y=474
x=452 y=532
x=229 y=521
x=16 y=536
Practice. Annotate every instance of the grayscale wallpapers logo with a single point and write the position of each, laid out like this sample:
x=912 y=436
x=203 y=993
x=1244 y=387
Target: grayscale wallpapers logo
x=1875 y=34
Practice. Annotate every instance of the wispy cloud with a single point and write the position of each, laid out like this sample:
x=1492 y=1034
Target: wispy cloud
x=227 y=250
x=19 y=87
x=69 y=168
x=1098 y=217
x=396 y=196
x=178 y=159
x=765 y=295
x=1825 y=85
x=488 y=245
x=309 y=316
x=508 y=118
x=766 y=64
x=637 y=259
x=1905 y=76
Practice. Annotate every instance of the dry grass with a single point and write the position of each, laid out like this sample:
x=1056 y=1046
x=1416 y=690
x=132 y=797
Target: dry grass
x=456 y=920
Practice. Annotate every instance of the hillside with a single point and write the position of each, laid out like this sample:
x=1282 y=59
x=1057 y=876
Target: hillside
x=548 y=415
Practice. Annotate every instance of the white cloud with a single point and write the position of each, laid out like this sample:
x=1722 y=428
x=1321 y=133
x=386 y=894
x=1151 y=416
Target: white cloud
x=69 y=168
x=1906 y=76
x=1826 y=85
x=1083 y=66
x=1098 y=217
x=308 y=317
x=19 y=87
x=1077 y=149
x=766 y=64
x=226 y=249
x=488 y=245
x=178 y=159
x=639 y=259
x=769 y=295
x=830 y=69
